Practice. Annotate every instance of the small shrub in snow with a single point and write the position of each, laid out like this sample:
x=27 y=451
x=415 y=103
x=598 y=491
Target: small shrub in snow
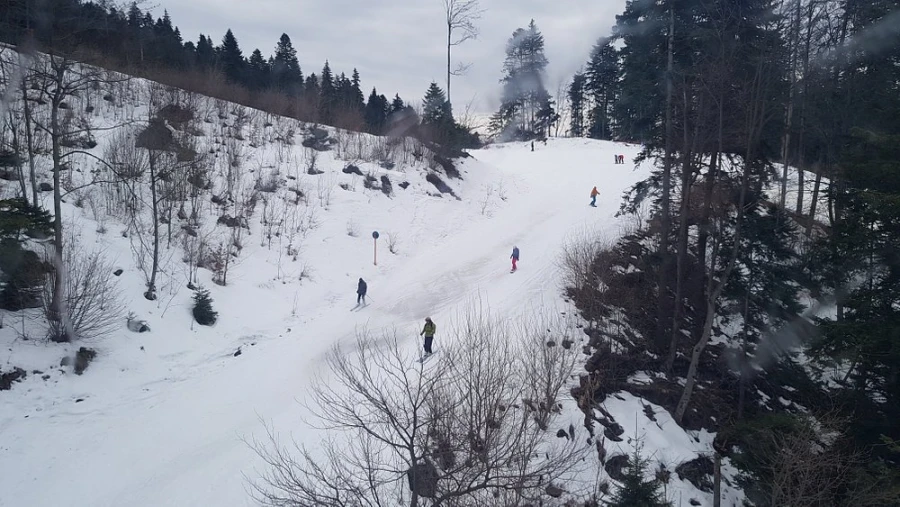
x=6 y=379
x=392 y=241
x=83 y=358
x=305 y=273
x=203 y=310
x=386 y=187
x=312 y=159
x=90 y=304
x=352 y=230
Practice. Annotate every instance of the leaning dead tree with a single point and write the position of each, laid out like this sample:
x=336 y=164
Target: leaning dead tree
x=467 y=428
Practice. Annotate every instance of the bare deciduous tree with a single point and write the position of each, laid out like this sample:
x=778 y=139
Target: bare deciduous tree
x=462 y=430
x=809 y=465
x=56 y=79
x=90 y=296
x=460 y=17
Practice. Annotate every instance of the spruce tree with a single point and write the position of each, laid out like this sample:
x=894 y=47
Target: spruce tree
x=327 y=94
x=357 y=101
x=231 y=58
x=860 y=263
x=636 y=490
x=397 y=104
x=206 y=54
x=376 y=112
x=640 y=107
x=18 y=218
x=135 y=16
x=602 y=81
x=203 y=310
x=526 y=110
x=259 y=70
x=436 y=109
x=576 y=105
x=286 y=71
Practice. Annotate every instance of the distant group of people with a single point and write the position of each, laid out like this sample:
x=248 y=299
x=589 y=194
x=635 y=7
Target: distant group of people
x=430 y=328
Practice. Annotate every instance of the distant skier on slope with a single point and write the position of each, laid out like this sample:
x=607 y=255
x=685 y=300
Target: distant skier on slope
x=514 y=257
x=361 y=292
x=428 y=332
x=594 y=193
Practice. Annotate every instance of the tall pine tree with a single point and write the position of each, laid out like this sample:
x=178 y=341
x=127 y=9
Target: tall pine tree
x=526 y=110
x=286 y=73
x=258 y=71
x=231 y=59
x=602 y=82
x=376 y=112
x=397 y=104
x=576 y=105
x=436 y=109
x=328 y=94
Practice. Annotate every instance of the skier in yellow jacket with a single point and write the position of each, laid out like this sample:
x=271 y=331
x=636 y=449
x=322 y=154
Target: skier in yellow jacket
x=428 y=332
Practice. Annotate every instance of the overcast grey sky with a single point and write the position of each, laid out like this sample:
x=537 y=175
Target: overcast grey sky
x=399 y=45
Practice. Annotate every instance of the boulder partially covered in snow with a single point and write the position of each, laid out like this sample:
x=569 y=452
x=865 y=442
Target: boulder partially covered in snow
x=137 y=325
x=698 y=471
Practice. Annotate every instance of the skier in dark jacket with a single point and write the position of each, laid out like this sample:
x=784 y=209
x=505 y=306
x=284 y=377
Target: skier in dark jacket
x=361 y=291
x=514 y=257
x=428 y=331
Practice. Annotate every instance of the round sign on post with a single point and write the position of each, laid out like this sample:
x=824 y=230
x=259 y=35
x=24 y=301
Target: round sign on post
x=375 y=245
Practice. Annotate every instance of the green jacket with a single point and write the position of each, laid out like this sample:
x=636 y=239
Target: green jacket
x=429 y=329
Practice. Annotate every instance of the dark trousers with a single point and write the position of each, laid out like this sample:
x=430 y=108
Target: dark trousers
x=428 y=340
x=593 y=200
x=360 y=297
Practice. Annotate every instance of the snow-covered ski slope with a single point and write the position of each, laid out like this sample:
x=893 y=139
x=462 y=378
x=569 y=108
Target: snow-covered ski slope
x=160 y=418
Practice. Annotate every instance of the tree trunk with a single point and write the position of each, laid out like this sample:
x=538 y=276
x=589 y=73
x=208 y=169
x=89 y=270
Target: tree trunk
x=15 y=148
x=801 y=165
x=742 y=362
x=57 y=304
x=788 y=125
x=755 y=122
x=29 y=144
x=664 y=305
x=449 y=45
x=686 y=173
x=814 y=200
x=151 y=285
x=717 y=480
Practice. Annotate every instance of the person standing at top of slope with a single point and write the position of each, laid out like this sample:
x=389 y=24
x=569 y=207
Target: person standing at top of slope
x=594 y=193
x=361 y=291
x=428 y=332
x=514 y=257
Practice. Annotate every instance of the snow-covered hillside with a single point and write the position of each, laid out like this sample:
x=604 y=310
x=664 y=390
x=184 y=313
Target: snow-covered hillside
x=161 y=418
